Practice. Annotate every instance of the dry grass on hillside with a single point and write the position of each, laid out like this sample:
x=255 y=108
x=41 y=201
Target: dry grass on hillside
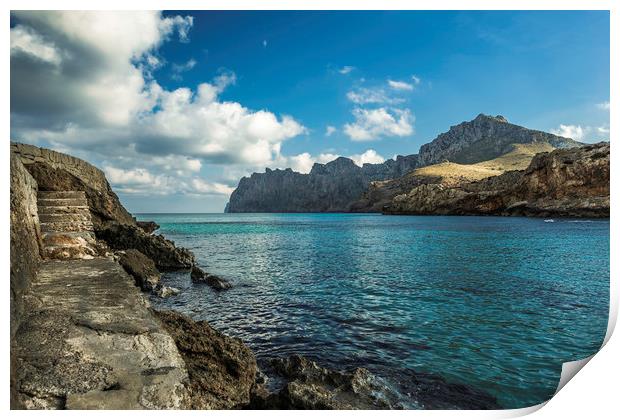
x=517 y=159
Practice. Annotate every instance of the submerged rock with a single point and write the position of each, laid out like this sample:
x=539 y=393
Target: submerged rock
x=200 y=276
x=221 y=369
x=161 y=250
x=141 y=268
x=165 y=291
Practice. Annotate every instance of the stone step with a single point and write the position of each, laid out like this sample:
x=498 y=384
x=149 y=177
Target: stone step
x=61 y=194
x=65 y=217
x=68 y=252
x=66 y=226
x=69 y=202
x=63 y=209
x=60 y=237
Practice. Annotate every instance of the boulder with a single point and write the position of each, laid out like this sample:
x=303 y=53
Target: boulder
x=148 y=227
x=159 y=249
x=221 y=369
x=200 y=276
x=141 y=268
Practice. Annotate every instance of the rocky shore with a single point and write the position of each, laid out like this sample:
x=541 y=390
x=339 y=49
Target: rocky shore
x=83 y=334
x=562 y=183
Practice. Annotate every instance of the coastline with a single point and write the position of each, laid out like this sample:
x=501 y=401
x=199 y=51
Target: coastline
x=80 y=306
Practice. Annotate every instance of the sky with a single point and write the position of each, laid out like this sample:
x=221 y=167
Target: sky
x=175 y=107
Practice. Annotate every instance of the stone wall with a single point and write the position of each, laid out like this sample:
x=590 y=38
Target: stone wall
x=25 y=246
x=56 y=171
x=25 y=236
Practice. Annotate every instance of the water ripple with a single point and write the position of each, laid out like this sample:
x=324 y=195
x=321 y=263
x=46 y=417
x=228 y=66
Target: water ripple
x=494 y=303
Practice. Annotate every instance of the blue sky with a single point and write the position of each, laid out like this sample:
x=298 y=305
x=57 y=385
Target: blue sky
x=384 y=82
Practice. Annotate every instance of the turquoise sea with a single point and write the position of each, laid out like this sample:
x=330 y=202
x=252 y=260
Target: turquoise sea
x=494 y=303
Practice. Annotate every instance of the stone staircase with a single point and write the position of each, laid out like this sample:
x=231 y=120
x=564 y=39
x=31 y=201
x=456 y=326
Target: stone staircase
x=66 y=225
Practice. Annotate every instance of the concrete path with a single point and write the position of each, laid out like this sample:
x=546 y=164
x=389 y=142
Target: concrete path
x=90 y=341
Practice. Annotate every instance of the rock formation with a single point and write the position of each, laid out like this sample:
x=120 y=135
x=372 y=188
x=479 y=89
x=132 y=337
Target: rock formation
x=159 y=249
x=484 y=138
x=300 y=383
x=381 y=193
x=222 y=370
x=327 y=188
x=148 y=227
x=141 y=268
x=335 y=186
x=563 y=183
x=25 y=250
x=200 y=276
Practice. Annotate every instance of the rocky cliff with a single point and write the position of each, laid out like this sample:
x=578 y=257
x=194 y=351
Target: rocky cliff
x=381 y=193
x=335 y=186
x=562 y=183
x=328 y=187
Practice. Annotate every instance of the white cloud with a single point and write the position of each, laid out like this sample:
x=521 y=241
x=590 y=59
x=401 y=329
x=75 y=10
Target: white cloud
x=346 y=69
x=143 y=181
x=398 y=85
x=603 y=105
x=89 y=90
x=139 y=181
x=179 y=69
x=179 y=24
x=416 y=79
x=24 y=39
x=200 y=186
x=603 y=130
x=303 y=162
x=329 y=130
x=100 y=55
x=372 y=124
x=365 y=96
x=575 y=132
x=369 y=156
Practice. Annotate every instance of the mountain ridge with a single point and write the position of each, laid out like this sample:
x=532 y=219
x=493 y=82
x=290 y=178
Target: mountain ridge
x=334 y=186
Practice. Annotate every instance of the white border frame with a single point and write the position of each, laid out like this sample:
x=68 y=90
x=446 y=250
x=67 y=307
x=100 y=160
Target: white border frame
x=590 y=395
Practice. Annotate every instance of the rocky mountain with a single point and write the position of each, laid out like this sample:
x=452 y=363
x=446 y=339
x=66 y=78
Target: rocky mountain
x=562 y=183
x=381 y=193
x=334 y=186
x=328 y=187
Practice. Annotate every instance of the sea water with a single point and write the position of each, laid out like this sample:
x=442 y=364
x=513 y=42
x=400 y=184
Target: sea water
x=497 y=304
